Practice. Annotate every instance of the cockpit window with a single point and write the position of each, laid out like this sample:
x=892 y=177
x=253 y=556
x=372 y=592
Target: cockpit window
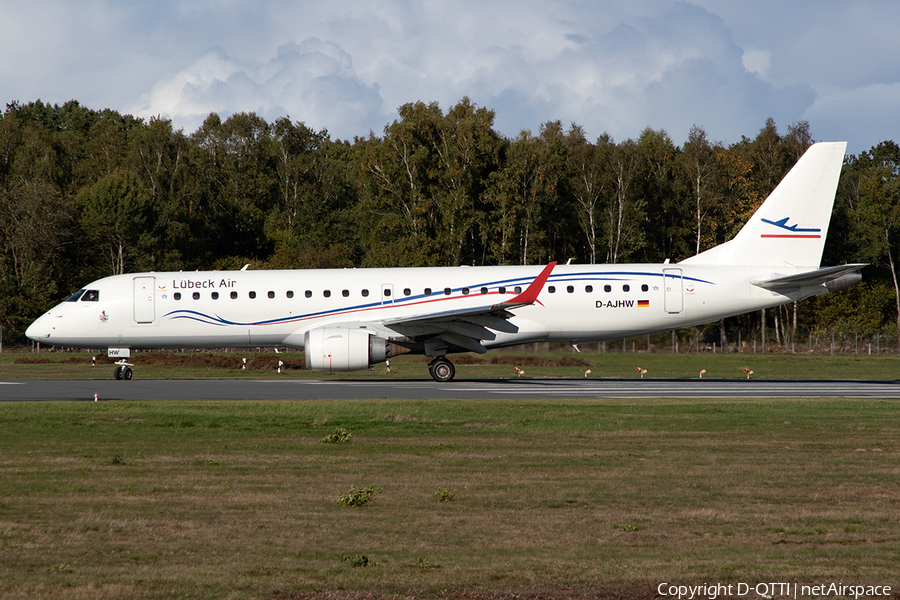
x=91 y=296
x=74 y=297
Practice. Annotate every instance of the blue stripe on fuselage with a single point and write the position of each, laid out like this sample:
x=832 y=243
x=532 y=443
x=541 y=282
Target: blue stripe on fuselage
x=437 y=296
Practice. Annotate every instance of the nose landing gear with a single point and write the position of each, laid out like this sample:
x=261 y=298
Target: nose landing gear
x=123 y=371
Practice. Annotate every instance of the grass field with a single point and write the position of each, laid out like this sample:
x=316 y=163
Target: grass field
x=192 y=499
x=58 y=365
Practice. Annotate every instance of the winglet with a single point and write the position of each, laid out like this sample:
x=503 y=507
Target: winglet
x=530 y=295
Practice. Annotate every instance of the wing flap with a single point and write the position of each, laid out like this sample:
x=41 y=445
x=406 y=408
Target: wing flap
x=463 y=341
x=473 y=331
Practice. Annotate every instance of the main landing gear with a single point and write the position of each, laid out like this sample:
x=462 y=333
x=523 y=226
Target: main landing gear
x=123 y=371
x=441 y=369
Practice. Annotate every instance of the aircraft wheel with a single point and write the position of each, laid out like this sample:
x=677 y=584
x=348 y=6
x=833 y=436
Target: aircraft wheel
x=127 y=374
x=442 y=370
x=118 y=373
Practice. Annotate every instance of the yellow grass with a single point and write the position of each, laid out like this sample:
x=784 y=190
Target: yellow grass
x=238 y=499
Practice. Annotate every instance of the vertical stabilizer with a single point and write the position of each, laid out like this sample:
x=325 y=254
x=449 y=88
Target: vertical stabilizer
x=790 y=227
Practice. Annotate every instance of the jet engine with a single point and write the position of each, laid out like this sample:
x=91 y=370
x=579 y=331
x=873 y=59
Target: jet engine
x=344 y=349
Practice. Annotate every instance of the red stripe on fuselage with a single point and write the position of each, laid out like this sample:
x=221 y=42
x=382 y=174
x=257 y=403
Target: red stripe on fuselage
x=780 y=235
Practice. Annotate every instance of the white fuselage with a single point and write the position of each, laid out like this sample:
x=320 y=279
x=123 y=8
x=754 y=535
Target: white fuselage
x=578 y=303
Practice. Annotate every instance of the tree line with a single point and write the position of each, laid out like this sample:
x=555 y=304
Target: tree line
x=86 y=194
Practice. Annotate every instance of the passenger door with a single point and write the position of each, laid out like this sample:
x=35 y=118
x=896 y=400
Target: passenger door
x=144 y=300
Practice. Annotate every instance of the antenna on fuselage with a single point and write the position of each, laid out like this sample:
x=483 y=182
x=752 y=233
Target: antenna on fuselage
x=245 y=267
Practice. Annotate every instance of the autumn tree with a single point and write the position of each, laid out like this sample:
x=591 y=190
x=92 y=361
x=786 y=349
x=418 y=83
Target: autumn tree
x=396 y=181
x=624 y=211
x=660 y=185
x=234 y=187
x=309 y=224
x=877 y=211
x=699 y=163
x=587 y=183
x=114 y=215
x=524 y=197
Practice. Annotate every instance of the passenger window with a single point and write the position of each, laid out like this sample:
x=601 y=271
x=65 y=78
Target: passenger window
x=327 y=293
x=447 y=291
x=252 y=295
x=74 y=297
x=626 y=288
x=234 y=295
x=196 y=295
x=570 y=288
x=177 y=295
x=387 y=292
x=645 y=288
x=308 y=293
x=215 y=295
x=465 y=291
x=407 y=291
x=484 y=291
x=501 y=289
x=427 y=291
x=551 y=289
x=607 y=288
x=345 y=293
x=271 y=294
x=365 y=293
x=588 y=288
x=290 y=294
x=91 y=296
x=518 y=289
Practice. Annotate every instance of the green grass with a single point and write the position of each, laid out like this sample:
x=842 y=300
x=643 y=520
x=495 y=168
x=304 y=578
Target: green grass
x=612 y=364
x=239 y=499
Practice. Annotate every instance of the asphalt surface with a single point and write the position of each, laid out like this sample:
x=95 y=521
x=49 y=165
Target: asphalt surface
x=310 y=389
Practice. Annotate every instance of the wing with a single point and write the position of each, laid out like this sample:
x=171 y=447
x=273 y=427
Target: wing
x=467 y=327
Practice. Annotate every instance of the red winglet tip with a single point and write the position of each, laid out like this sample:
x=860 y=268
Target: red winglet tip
x=530 y=295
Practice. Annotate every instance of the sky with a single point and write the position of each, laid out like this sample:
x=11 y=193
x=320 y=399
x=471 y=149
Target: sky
x=346 y=66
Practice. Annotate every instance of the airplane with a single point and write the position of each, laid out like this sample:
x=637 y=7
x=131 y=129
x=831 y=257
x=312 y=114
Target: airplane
x=351 y=319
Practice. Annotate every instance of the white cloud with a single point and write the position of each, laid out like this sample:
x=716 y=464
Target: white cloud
x=669 y=67
x=757 y=61
x=312 y=82
x=668 y=70
x=866 y=113
x=346 y=66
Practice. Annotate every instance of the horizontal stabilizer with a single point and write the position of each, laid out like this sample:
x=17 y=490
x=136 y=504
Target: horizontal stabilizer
x=810 y=278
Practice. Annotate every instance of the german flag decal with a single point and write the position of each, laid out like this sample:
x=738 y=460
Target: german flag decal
x=643 y=303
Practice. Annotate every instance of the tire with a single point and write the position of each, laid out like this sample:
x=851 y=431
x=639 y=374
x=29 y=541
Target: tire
x=118 y=373
x=442 y=370
x=127 y=374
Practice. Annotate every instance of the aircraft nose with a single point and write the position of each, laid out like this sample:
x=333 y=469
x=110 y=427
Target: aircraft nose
x=39 y=331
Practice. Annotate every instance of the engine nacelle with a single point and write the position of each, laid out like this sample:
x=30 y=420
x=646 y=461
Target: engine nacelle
x=343 y=349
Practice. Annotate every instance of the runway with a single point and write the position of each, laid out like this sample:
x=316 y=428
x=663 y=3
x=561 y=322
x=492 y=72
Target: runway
x=311 y=389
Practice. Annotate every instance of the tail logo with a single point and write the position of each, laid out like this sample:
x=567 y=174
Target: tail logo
x=790 y=231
